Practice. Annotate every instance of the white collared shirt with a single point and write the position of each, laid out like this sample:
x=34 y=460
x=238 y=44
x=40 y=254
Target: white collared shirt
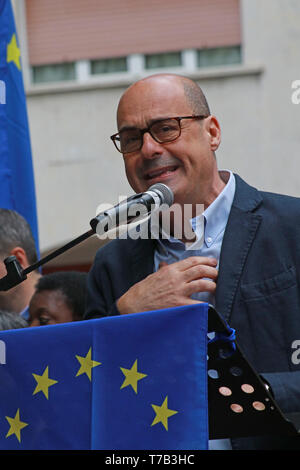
x=209 y=228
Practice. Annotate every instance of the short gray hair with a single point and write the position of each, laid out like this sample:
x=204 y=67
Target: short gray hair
x=11 y=321
x=195 y=97
x=15 y=231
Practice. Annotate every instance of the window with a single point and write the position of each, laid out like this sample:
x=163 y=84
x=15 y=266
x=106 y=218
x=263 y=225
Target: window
x=113 y=65
x=219 y=56
x=170 y=59
x=188 y=59
x=53 y=72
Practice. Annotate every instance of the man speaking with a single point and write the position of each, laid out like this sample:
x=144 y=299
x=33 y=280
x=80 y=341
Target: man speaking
x=244 y=257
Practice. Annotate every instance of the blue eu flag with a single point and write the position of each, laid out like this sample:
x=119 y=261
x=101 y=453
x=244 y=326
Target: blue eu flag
x=129 y=382
x=17 y=189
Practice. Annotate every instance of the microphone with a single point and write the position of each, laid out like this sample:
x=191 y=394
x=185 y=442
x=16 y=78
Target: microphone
x=157 y=195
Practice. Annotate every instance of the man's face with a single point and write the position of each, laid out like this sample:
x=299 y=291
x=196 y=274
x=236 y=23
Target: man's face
x=48 y=308
x=186 y=165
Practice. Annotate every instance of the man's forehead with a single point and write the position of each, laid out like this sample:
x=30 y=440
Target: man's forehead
x=150 y=99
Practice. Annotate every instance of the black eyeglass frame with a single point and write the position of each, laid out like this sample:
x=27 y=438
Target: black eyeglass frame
x=114 y=137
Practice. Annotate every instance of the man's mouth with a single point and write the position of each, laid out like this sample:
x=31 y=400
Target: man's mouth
x=160 y=172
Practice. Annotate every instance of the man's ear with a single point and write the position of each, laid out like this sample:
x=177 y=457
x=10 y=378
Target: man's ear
x=214 y=130
x=21 y=256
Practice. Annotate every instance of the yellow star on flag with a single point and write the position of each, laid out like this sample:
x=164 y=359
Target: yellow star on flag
x=43 y=382
x=132 y=376
x=15 y=425
x=13 y=52
x=86 y=364
x=163 y=413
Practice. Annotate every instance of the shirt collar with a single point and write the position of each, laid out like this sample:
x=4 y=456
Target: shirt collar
x=208 y=225
x=25 y=313
x=217 y=213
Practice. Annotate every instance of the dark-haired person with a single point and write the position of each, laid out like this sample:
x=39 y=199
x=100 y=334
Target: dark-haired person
x=248 y=265
x=59 y=298
x=16 y=239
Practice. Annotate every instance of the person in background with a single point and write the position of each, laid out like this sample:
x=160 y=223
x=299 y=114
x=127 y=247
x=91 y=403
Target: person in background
x=16 y=239
x=58 y=298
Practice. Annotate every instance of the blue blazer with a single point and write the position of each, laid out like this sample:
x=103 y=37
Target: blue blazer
x=257 y=289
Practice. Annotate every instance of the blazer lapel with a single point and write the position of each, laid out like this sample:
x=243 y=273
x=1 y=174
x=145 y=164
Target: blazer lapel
x=238 y=237
x=142 y=259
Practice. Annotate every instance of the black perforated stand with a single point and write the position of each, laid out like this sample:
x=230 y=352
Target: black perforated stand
x=239 y=403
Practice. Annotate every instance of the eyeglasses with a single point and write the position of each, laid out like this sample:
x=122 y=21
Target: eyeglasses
x=162 y=131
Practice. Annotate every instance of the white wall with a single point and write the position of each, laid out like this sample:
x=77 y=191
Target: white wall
x=271 y=30
x=76 y=166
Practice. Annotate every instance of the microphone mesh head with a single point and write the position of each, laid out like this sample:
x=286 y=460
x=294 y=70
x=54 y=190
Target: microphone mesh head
x=164 y=192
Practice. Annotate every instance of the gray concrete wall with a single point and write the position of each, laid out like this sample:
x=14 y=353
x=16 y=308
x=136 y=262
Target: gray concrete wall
x=76 y=167
x=271 y=31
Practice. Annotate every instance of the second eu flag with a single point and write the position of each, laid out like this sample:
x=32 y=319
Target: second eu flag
x=17 y=189
x=129 y=382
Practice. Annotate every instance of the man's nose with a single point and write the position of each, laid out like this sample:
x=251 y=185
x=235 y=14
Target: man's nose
x=150 y=148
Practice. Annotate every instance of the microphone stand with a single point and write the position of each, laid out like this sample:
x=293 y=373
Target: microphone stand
x=15 y=273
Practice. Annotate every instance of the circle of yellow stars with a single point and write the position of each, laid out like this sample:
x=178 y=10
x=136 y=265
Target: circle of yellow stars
x=132 y=377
